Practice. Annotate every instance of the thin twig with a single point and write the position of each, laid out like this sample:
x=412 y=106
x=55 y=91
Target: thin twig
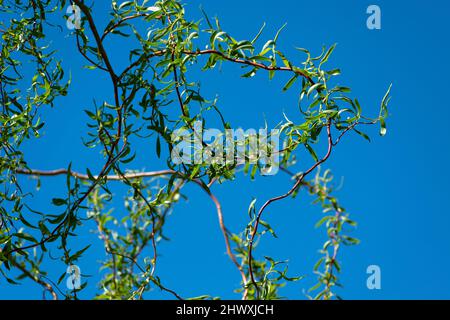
x=225 y=233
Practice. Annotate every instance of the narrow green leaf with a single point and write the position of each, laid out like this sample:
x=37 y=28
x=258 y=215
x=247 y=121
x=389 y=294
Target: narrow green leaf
x=327 y=54
x=158 y=147
x=59 y=202
x=290 y=83
x=312 y=152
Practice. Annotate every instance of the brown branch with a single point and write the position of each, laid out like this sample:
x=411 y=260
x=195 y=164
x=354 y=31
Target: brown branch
x=147 y=280
x=175 y=74
x=152 y=215
x=329 y=266
x=47 y=286
x=111 y=160
x=351 y=127
x=225 y=233
x=106 y=240
x=177 y=89
x=136 y=63
x=112 y=74
x=105 y=169
x=162 y=218
x=118 y=23
x=97 y=37
x=268 y=202
x=137 y=175
x=251 y=63
x=80 y=49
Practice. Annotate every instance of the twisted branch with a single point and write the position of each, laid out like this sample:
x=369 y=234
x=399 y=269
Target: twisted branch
x=268 y=202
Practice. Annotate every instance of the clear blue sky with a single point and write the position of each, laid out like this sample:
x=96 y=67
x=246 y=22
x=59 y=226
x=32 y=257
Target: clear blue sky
x=395 y=187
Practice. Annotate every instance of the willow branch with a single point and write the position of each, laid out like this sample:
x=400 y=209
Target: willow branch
x=47 y=286
x=106 y=240
x=104 y=170
x=111 y=160
x=250 y=63
x=291 y=191
x=81 y=176
x=80 y=49
x=120 y=22
x=225 y=233
x=145 y=56
x=112 y=74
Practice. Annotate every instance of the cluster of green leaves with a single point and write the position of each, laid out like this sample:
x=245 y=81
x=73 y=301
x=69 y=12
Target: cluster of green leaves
x=126 y=239
x=152 y=97
x=23 y=43
x=270 y=275
x=336 y=220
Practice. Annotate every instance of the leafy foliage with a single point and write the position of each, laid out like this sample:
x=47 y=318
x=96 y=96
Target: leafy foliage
x=145 y=95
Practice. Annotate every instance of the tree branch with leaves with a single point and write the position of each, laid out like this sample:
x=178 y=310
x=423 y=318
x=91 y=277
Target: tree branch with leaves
x=149 y=100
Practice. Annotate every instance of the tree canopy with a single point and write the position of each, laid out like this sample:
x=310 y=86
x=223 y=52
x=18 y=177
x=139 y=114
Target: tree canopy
x=154 y=98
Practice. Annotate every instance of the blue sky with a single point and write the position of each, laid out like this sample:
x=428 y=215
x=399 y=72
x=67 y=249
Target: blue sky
x=396 y=187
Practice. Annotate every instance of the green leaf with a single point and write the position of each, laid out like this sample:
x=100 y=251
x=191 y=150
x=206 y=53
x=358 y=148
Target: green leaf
x=243 y=45
x=314 y=87
x=286 y=62
x=349 y=221
x=318 y=263
x=362 y=134
x=250 y=74
x=383 y=129
x=259 y=33
x=385 y=101
x=350 y=241
x=59 y=202
x=312 y=152
x=268 y=228
x=290 y=83
x=323 y=220
x=266 y=47
x=253 y=172
x=158 y=147
x=125 y=4
x=11 y=281
x=279 y=32
x=61 y=277
x=78 y=254
x=384 y=111
x=89 y=173
x=216 y=35
x=251 y=208
x=204 y=297
x=25 y=236
x=358 y=107
x=195 y=171
x=327 y=54
x=271 y=74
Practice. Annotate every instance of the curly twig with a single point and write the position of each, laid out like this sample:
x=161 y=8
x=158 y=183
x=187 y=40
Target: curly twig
x=268 y=202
